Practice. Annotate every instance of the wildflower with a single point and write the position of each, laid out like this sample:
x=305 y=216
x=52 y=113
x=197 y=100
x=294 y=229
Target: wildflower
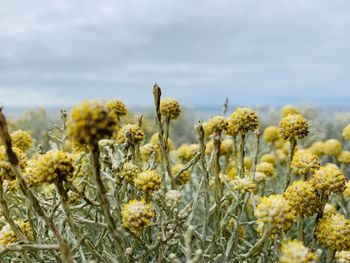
x=22 y=140
x=7 y=236
x=329 y=209
x=271 y=134
x=293 y=127
x=170 y=108
x=317 y=148
x=303 y=197
x=242 y=185
x=184 y=177
x=117 y=106
x=266 y=168
x=51 y=166
x=155 y=140
x=172 y=197
x=294 y=251
x=329 y=178
x=147 y=150
x=333 y=231
x=147 y=181
x=304 y=163
x=342 y=256
x=131 y=133
x=129 y=171
x=268 y=158
x=346 y=133
x=226 y=147
x=5 y=167
x=275 y=211
x=242 y=120
x=187 y=151
x=344 y=157
x=346 y=192
x=288 y=110
x=90 y=122
x=332 y=147
x=216 y=124
x=136 y=215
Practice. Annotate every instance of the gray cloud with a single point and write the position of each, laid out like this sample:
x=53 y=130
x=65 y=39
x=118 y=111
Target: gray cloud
x=254 y=52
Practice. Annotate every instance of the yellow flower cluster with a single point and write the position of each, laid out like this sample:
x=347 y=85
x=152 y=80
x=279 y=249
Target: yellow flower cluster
x=136 y=215
x=242 y=185
x=129 y=171
x=303 y=197
x=172 y=197
x=117 y=106
x=333 y=231
x=216 y=124
x=294 y=251
x=329 y=178
x=271 y=134
x=342 y=256
x=170 y=108
x=147 y=181
x=242 y=120
x=5 y=167
x=346 y=192
x=155 y=140
x=332 y=147
x=7 y=236
x=288 y=110
x=293 y=127
x=266 y=168
x=130 y=133
x=268 y=158
x=90 y=122
x=226 y=147
x=344 y=157
x=51 y=166
x=304 y=163
x=346 y=133
x=276 y=212
x=22 y=140
x=186 y=152
x=184 y=176
x=147 y=150
x=317 y=148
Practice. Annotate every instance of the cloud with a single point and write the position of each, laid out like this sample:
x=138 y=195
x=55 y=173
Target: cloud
x=254 y=52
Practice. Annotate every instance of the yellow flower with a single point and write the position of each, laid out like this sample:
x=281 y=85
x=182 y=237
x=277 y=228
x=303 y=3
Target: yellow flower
x=5 y=167
x=329 y=178
x=317 y=148
x=155 y=140
x=90 y=122
x=186 y=152
x=131 y=133
x=268 y=158
x=293 y=127
x=147 y=181
x=170 y=108
x=216 y=124
x=271 y=134
x=136 y=215
x=304 y=163
x=129 y=171
x=346 y=133
x=287 y=110
x=117 y=106
x=51 y=166
x=276 y=212
x=242 y=185
x=342 y=256
x=226 y=147
x=346 y=192
x=266 y=168
x=332 y=147
x=21 y=139
x=242 y=120
x=333 y=231
x=184 y=177
x=303 y=197
x=294 y=251
x=7 y=236
x=344 y=157
x=147 y=150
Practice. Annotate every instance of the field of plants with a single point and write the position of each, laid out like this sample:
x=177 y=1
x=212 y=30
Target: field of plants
x=104 y=185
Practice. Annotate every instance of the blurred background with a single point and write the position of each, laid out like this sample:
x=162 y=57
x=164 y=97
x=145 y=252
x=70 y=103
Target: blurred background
x=263 y=54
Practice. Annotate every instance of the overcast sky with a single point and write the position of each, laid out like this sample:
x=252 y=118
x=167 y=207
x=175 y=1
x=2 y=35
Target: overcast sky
x=253 y=52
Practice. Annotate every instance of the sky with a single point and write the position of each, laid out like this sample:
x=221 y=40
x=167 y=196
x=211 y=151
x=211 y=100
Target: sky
x=256 y=53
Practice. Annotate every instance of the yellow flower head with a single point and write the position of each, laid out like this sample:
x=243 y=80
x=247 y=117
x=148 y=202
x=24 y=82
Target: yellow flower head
x=346 y=133
x=242 y=185
x=271 y=134
x=5 y=167
x=303 y=197
x=267 y=168
x=51 y=166
x=155 y=140
x=294 y=251
x=329 y=178
x=293 y=127
x=317 y=148
x=147 y=150
x=342 y=256
x=216 y=124
x=268 y=158
x=7 y=236
x=346 y=192
x=90 y=122
x=129 y=171
x=332 y=147
x=344 y=157
x=242 y=120
x=147 y=181
x=276 y=212
x=170 y=108
x=184 y=176
x=304 y=163
x=117 y=106
x=131 y=133
x=136 y=215
x=21 y=139
x=226 y=147
x=333 y=231
x=186 y=152
x=288 y=110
